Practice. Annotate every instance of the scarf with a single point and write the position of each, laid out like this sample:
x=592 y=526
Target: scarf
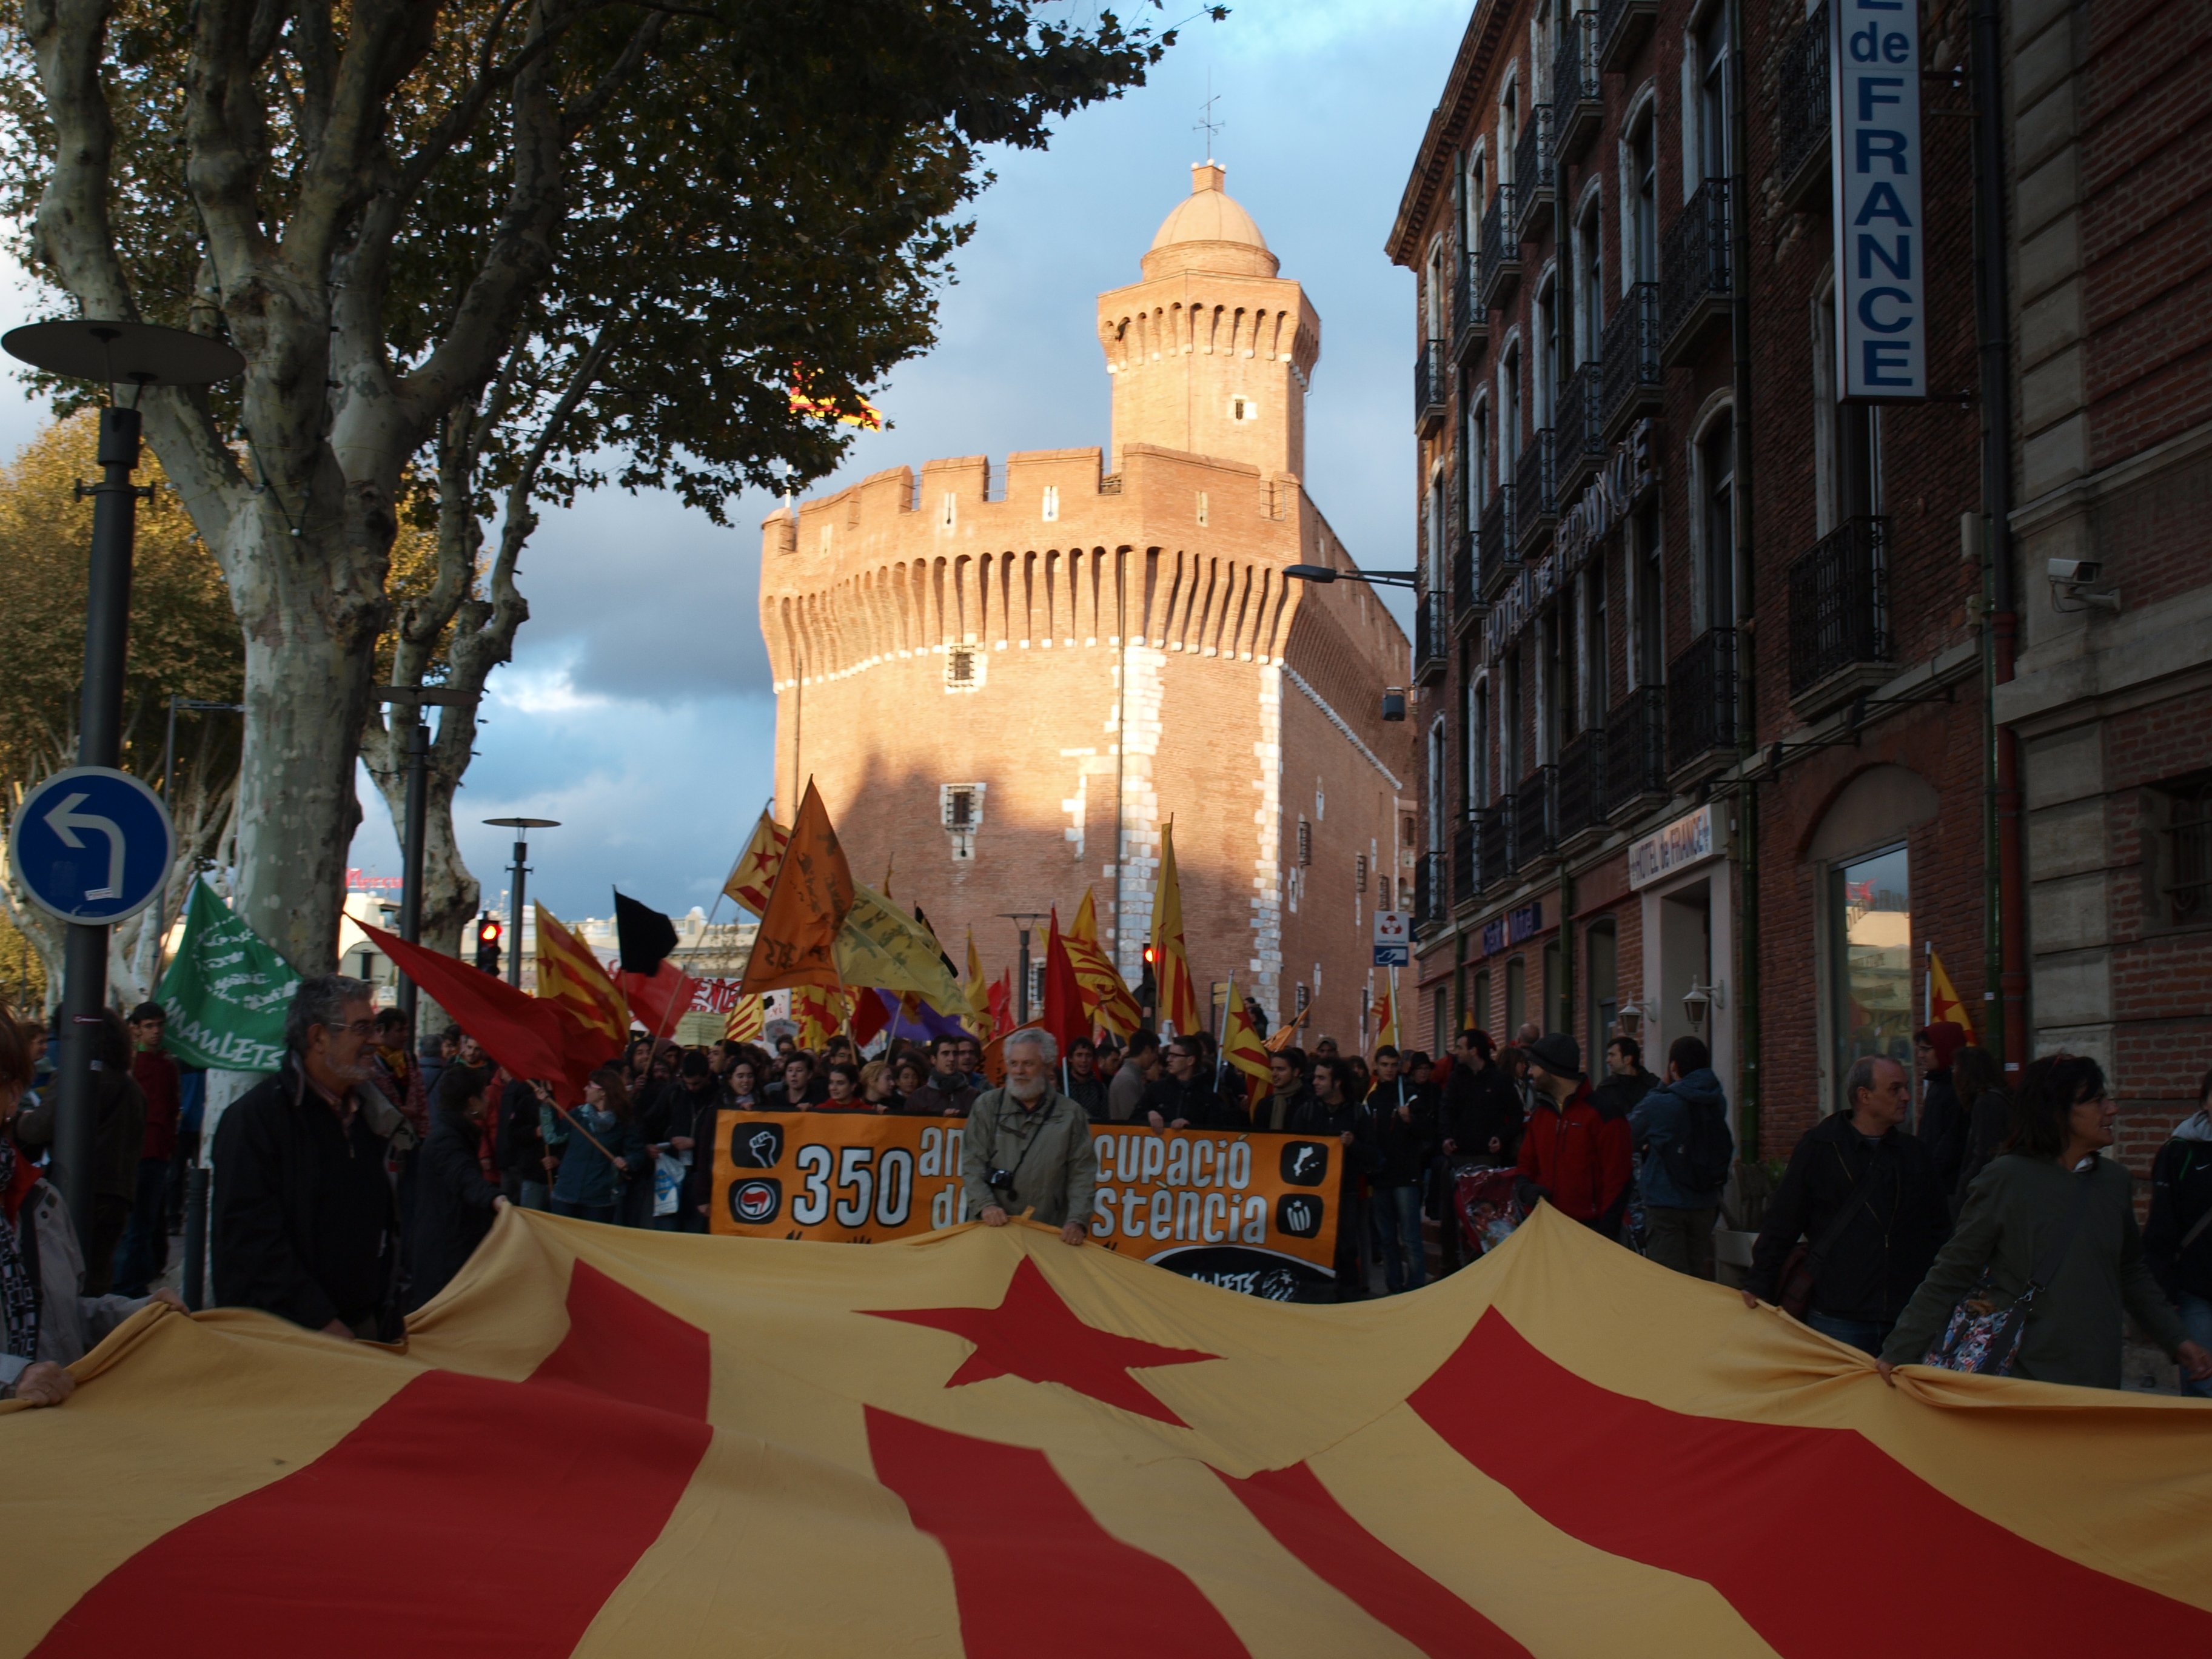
x=19 y=1296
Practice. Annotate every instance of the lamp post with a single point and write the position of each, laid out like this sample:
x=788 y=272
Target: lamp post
x=521 y=869
x=414 y=699
x=136 y=354
x=1024 y=921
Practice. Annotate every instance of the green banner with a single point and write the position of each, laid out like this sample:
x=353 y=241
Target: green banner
x=226 y=992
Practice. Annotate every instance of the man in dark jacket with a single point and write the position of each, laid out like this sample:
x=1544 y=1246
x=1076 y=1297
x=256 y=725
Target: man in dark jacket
x=2178 y=1240
x=455 y=1205
x=1085 y=1086
x=1865 y=1194
x=1577 y=1156
x=1625 y=1081
x=1942 y=1115
x=692 y=1123
x=1287 y=1093
x=1477 y=1121
x=526 y=1164
x=1330 y=1111
x=304 y=1223
x=1184 y=1097
x=947 y=1092
x=1678 y=1212
x=1403 y=1124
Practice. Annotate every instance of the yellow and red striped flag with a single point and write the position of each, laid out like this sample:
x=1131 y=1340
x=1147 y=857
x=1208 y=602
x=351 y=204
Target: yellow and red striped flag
x=1178 y=1003
x=570 y=975
x=983 y=1444
x=1105 y=994
x=1386 y=1015
x=1240 y=1039
x=748 y=1020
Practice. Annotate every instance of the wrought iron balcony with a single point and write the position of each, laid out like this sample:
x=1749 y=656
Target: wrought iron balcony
x=1632 y=378
x=1696 y=283
x=1499 y=542
x=1470 y=317
x=1429 y=384
x=1582 y=787
x=1431 y=629
x=1532 y=169
x=1500 y=272
x=1535 y=494
x=1636 y=753
x=1536 y=817
x=1701 y=701
x=1622 y=26
x=1578 y=431
x=1800 y=153
x=1839 y=631
x=1465 y=884
x=1431 y=902
x=1578 y=106
x=1493 y=842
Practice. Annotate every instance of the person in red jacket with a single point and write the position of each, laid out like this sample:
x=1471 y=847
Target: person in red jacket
x=1578 y=1156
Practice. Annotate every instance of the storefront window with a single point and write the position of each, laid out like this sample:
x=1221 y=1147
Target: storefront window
x=1870 y=925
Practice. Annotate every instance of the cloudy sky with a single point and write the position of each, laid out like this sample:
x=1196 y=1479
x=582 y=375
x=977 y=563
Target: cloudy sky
x=637 y=709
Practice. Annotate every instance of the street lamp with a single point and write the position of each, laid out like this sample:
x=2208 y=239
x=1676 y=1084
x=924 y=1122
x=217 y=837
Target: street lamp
x=1326 y=573
x=414 y=699
x=136 y=354
x=514 y=893
x=1024 y=921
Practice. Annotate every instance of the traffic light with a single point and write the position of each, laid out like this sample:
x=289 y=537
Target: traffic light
x=487 y=934
x=1148 y=987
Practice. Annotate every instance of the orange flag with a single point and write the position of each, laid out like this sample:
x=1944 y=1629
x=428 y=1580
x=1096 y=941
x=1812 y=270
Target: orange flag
x=569 y=974
x=754 y=873
x=806 y=907
x=1106 y=997
x=1240 y=1039
x=1178 y=996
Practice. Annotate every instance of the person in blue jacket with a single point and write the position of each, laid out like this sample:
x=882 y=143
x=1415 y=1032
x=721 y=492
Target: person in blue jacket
x=590 y=1183
x=1678 y=1215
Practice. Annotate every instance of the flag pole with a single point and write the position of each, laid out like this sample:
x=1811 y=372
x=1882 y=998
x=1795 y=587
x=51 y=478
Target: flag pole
x=1221 y=1038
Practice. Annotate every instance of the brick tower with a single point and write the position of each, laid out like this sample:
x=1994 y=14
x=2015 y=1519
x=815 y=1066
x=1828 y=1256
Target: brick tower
x=1005 y=679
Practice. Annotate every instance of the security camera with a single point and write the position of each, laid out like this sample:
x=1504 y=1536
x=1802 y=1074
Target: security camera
x=2070 y=579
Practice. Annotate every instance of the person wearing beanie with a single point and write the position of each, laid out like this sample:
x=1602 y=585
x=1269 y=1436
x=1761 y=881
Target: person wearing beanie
x=1575 y=1155
x=1942 y=1125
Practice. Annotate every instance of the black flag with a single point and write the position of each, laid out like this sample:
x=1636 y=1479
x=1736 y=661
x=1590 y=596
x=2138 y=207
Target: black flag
x=643 y=936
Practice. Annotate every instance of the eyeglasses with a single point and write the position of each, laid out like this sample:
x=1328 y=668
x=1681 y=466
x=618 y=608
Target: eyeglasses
x=360 y=1028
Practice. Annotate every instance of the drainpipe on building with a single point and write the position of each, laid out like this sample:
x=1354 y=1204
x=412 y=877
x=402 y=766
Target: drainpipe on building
x=1991 y=295
x=1747 y=1079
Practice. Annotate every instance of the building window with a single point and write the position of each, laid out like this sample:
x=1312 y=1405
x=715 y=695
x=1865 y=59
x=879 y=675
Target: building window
x=1051 y=503
x=951 y=514
x=1603 y=951
x=1509 y=412
x=1590 y=285
x=1305 y=841
x=1477 y=464
x=1480 y=1006
x=1640 y=238
x=1305 y=998
x=1871 y=947
x=1716 y=469
x=1548 y=351
x=1517 y=994
x=1713 y=93
x=1201 y=507
x=1478 y=748
x=1651 y=649
x=1437 y=753
x=1359 y=873
x=1243 y=409
x=963 y=669
x=960 y=810
x=2178 y=825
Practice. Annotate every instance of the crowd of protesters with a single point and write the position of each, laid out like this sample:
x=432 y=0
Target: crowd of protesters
x=356 y=1183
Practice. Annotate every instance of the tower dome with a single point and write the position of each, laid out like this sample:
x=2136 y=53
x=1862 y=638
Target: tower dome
x=1209 y=231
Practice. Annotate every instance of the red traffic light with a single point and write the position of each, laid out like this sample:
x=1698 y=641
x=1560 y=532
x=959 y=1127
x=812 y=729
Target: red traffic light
x=487 y=931
x=1151 y=956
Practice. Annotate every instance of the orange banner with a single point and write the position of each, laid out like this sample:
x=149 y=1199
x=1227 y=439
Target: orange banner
x=1251 y=1213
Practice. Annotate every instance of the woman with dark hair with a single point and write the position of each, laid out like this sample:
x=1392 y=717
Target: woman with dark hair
x=602 y=1147
x=1979 y=1086
x=908 y=1075
x=2178 y=1242
x=842 y=1079
x=2053 y=1215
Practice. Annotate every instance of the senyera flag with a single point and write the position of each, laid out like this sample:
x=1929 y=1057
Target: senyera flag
x=600 y=1441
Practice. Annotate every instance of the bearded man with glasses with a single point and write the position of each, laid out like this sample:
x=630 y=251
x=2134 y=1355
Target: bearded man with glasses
x=304 y=1222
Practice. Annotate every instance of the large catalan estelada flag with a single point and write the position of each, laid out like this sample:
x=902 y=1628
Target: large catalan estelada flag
x=984 y=1442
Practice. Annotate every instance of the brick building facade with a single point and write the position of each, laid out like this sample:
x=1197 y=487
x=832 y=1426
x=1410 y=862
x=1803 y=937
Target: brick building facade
x=1699 y=658
x=2108 y=127
x=1005 y=679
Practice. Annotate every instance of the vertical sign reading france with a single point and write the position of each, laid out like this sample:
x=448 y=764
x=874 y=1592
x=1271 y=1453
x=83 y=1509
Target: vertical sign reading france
x=1873 y=114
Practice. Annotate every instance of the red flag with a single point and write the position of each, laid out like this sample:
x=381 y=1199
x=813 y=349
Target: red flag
x=1065 y=1016
x=530 y=1037
x=1001 y=999
x=661 y=997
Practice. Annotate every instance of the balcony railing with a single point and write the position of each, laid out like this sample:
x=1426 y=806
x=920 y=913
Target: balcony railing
x=1493 y=840
x=1578 y=430
x=1429 y=382
x=1465 y=883
x=1431 y=903
x=1501 y=249
x=1839 y=604
x=1801 y=154
x=1500 y=544
x=1431 y=629
x=1535 y=494
x=1695 y=285
x=1622 y=25
x=1636 y=752
x=1633 y=378
x=1470 y=317
x=1577 y=106
x=1701 y=700
x=1467 y=592
x=1582 y=785
x=1532 y=167
x=1535 y=816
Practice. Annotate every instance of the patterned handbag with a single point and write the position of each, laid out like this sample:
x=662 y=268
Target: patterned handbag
x=1984 y=1337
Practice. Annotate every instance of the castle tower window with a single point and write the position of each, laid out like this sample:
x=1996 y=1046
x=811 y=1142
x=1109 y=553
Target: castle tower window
x=951 y=516
x=1201 y=507
x=1243 y=409
x=1051 y=503
x=1359 y=872
x=1305 y=841
x=963 y=669
x=960 y=809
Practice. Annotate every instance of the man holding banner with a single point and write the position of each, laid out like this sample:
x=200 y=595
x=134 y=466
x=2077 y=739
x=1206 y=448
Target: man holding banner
x=1028 y=1146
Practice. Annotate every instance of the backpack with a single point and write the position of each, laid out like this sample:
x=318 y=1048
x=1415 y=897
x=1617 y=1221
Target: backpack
x=1699 y=1159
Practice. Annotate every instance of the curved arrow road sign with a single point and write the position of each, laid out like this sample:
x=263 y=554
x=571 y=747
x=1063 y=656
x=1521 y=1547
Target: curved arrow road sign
x=91 y=845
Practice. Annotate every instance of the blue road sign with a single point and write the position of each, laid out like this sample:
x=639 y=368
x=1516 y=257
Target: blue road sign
x=92 y=845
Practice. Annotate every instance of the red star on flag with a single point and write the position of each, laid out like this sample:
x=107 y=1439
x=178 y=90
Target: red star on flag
x=1035 y=1336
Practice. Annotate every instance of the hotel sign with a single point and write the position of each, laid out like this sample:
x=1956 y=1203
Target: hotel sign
x=1882 y=243
x=1513 y=927
x=1607 y=498
x=1687 y=841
